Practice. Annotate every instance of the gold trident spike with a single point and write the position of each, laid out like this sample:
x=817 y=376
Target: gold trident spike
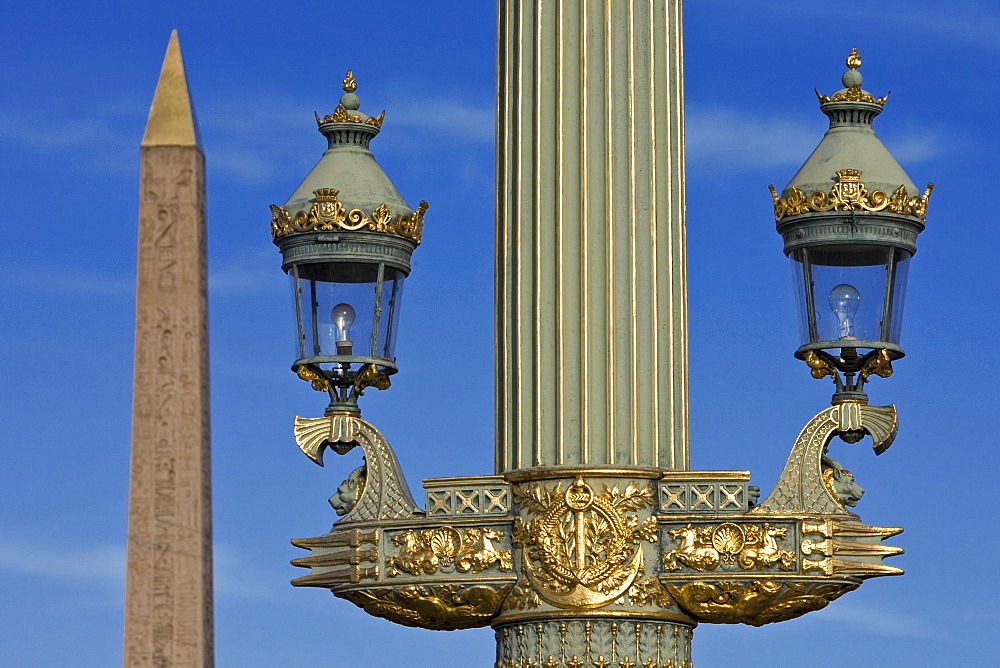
x=351 y=85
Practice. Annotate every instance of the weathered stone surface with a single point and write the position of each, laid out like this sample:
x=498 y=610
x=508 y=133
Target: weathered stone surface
x=168 y=608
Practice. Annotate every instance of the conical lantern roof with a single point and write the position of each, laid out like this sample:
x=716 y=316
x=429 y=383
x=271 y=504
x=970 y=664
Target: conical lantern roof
x=347 y=189
x=851 y=169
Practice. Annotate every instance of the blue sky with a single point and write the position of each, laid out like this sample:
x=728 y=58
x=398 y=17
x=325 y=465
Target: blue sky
x=76 y=83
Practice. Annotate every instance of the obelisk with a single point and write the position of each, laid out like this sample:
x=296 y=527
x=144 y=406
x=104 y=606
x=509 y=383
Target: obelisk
x=168 y=600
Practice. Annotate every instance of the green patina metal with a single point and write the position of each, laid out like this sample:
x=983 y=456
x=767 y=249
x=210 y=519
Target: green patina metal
x=346 y=227
x=594 y=544
x=850 y=214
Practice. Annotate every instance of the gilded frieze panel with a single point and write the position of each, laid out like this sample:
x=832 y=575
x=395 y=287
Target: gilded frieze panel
x=729 y=546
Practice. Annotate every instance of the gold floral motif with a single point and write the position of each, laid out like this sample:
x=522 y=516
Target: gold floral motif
x=581 y=549
x=852 y=94
x=850 y=194
x=328 y=213
x=879 y=364
x=650 y=592
x=305 y=372
x=370 y=376
x=522 y=597
x=752 y=547
x=818 y=366
x=853 y=60
x=354 y=220
x=445 y=607
x=350 y=83
x=381 y=218
x=376 y=120
x=447 y=549
x=794 y=204
x=756 y=603
x=412 y=226
x=341 y=115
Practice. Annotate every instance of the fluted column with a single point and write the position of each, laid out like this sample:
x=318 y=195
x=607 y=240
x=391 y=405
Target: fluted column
x=591 y=289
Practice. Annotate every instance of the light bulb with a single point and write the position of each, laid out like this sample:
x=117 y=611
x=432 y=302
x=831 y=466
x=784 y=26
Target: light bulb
x=844 y=301
x=343 y=317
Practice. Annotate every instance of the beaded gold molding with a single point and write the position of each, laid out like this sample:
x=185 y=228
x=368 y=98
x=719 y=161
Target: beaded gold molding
x=328 y=213
x=850 y=194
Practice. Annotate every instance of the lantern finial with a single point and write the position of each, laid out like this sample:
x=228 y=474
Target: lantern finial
x=346 y=236
x=850 y=218
x=852 y=93
x=351 y=85
x=853 y=60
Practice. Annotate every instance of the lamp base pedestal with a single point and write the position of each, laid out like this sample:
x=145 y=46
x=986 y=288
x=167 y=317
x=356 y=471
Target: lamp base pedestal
x=593 y=643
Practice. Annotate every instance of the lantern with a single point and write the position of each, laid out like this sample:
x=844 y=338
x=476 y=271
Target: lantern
x=346 y=236
x=850 y=219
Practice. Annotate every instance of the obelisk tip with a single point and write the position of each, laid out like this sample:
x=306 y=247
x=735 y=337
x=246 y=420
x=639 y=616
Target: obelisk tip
x=171 y=116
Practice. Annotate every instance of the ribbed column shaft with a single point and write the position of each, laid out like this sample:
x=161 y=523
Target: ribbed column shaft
x=591 y=286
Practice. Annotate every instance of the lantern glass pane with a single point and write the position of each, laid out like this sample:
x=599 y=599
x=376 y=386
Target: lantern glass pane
x=799 y=288
x=841 y=292
x=900 y=272
x=392 y=296
x=346 y=309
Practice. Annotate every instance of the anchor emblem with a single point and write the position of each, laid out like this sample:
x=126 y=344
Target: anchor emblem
x=581 y=549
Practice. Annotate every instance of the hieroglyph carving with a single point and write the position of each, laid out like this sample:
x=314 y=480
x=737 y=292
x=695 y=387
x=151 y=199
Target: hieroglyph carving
x=169 y=592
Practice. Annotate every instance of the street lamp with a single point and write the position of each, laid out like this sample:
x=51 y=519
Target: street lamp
x=593 y=544
x=850 y=219
x=347 y=251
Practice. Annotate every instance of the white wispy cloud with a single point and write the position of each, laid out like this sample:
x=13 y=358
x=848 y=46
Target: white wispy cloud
x=92 y=563
x=245 y=273
x=268 y=133
x=462 y=121
x=730 y=140
x=971 y=22
x=880 y=621
x=95 y=137
x=251 y=137
x=234 y=572
x=242 y=163
x=68 y=282
x=917 y=148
